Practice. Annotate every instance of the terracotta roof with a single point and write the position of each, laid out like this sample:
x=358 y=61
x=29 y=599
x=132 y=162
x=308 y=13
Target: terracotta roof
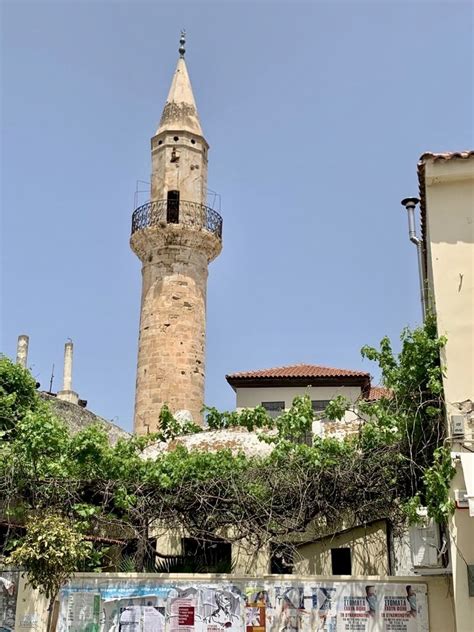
x=298 y=371
x=428 y=155
x=377 y=392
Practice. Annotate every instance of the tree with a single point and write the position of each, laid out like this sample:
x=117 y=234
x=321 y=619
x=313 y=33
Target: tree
x=392 y=464
x=51 y=551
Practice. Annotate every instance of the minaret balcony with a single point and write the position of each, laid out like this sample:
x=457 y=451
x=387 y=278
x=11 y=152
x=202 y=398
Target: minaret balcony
x=163 y=212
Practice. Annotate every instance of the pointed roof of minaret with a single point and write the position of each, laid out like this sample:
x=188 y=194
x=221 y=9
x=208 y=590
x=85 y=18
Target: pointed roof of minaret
x=180 y=112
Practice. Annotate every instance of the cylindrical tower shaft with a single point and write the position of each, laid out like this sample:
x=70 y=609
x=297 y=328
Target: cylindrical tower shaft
x=22 y=350
x=175 y=235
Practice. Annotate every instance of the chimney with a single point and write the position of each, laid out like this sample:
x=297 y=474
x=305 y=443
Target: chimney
x=67 y=394
x=22 y=350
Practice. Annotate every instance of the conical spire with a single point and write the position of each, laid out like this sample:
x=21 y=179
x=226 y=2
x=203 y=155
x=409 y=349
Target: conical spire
x=180 y=112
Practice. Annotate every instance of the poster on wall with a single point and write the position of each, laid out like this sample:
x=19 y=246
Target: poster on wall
x=83 y=612
x=381 y=608
x=149 y=605
x=182 y=612
x=257 y=607
x=8 y=596
x=221 y=608
x=290 y=612
x=324 y=608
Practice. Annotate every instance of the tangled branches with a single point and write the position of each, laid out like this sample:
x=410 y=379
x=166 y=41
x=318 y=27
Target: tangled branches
x=389 y=465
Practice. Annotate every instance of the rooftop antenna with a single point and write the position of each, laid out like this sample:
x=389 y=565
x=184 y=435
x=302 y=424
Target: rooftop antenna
x=410 y=204
x=182 y=43
x=51 y=380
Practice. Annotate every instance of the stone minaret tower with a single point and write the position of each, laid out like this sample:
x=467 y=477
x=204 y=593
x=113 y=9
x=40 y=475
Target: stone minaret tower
x=175 y=235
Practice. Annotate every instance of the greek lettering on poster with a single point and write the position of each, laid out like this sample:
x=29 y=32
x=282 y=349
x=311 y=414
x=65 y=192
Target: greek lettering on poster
x=158 y=605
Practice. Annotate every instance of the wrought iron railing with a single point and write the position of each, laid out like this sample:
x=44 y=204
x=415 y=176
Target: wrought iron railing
x=177 y=212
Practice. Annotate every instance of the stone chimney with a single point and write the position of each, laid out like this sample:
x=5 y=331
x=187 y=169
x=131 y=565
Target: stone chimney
x=67 y=394
x=22 y=350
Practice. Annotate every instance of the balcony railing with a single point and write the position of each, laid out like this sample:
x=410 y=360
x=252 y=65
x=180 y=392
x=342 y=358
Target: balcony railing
x=177 y=212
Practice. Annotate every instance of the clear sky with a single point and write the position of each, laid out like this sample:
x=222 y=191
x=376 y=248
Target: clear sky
x=316 y=114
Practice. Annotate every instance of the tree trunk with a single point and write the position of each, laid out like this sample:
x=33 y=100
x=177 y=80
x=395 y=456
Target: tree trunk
x=53 y=612
x=141 y=548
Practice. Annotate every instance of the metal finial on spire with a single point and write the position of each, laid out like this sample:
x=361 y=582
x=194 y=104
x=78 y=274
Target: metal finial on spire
x=182 y=42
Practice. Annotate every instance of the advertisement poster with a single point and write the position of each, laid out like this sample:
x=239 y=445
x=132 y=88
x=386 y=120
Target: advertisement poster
x=158 y=605
x=382 y=608
x=182 y=610
x=324 y=608
x=291 y=614
x=257 y=604
x=221 y=608
x=83 y=612
x=8 y=596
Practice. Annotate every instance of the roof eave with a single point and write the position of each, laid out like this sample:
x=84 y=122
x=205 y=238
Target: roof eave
x=257 y=382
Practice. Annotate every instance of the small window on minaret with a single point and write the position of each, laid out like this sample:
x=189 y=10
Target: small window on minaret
x=172 y=207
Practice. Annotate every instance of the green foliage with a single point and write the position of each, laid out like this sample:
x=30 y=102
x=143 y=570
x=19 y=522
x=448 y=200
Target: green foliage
x=437 y=480
x=413 y=418
x=170 y=427
x=18 y=394
x=251 y=419
x=51 y=551
x=81 y=484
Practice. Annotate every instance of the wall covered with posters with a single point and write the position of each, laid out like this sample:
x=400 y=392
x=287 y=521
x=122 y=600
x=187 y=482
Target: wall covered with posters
x=8 y=595
x=100 y=604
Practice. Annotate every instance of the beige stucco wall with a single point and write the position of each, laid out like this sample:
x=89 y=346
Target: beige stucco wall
x=368 y=552
x=450 y=262
x=245 y=558
x=450 y=255
x=31 y=608
x=250 y=397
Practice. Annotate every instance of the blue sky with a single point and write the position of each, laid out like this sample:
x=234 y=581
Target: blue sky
x=316 y=114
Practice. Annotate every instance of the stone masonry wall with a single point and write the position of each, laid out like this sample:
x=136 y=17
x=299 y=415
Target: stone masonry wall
x=171 y=348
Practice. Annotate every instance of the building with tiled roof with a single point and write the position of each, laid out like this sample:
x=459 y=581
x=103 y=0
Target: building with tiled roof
x=275 y=389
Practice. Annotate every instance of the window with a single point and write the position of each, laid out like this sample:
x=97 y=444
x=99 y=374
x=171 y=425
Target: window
x=341 y=561
x=208 y=556
x=172 y=207
x=274 y=409
x=319 y=405
x=281 y=559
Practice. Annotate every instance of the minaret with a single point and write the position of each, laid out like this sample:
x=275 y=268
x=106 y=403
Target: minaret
x=175 y=235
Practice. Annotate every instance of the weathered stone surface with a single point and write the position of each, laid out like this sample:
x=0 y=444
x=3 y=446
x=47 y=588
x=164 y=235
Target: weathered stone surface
x=175 y=254
x=77 y=418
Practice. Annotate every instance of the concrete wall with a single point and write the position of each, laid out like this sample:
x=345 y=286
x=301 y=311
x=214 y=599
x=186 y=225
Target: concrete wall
x=31 y=609
x=440 y=605
x=449 y=186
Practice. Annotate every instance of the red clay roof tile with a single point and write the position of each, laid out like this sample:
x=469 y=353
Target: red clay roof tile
x=297 y=371
x=377 y=392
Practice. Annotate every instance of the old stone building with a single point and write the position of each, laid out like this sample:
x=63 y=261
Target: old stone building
x=175 y=235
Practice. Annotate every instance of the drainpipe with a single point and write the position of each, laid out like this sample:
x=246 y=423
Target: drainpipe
x=410 y=205
x=22 y=350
